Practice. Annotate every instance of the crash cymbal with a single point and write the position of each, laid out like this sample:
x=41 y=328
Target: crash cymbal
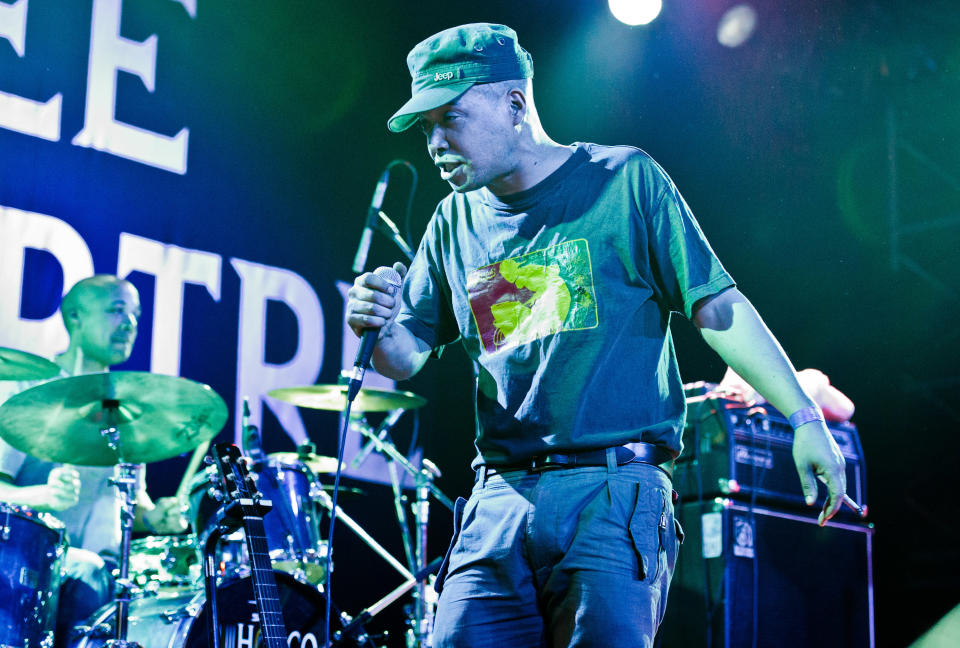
x=333 y=397
x=318 y=464
x=20 y=365
x=157 y=417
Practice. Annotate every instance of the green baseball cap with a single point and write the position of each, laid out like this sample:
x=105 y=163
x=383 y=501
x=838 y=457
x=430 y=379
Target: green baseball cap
x=447 y=64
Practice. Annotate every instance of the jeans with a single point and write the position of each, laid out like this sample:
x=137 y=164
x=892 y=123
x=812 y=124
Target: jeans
x=87 y=585
x=565 y=557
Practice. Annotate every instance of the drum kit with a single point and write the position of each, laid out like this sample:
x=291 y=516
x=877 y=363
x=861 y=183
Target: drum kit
x=127 y=419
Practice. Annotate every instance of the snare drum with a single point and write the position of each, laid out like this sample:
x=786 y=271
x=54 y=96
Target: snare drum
x=165 y=561
x=179 y=619
x=32 y=546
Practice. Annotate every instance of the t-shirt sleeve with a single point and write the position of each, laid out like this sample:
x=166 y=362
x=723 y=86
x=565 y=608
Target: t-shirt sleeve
x=425 y=308
x=684 y=266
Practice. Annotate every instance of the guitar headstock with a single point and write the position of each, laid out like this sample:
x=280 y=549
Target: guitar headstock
x=236 y=483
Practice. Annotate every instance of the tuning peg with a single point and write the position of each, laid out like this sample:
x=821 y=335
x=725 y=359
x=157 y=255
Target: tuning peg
x=207 y=459
x=215 y=493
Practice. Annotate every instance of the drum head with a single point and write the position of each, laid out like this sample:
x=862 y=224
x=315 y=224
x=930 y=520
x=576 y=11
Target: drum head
x=179 y=619
x=302 y=606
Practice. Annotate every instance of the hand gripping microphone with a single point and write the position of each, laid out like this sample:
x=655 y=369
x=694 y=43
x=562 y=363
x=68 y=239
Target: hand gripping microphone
x=373 y=213
x=369 y=339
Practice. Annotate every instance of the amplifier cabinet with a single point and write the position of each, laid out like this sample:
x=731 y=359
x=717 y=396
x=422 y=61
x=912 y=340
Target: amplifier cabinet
x=761 y=577
x=730 y=449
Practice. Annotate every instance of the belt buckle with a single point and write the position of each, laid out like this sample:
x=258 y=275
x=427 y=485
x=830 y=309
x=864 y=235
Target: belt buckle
x=546 y=462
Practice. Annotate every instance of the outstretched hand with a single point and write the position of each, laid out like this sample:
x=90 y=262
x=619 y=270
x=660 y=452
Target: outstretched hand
x=817 y=456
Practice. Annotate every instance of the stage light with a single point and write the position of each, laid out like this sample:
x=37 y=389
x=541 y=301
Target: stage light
x=737 y=25
x=635 y=12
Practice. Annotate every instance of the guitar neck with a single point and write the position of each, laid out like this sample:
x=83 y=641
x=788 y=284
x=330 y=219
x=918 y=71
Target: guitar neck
x=264 y=584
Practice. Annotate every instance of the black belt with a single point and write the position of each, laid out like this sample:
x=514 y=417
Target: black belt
x=639 y=452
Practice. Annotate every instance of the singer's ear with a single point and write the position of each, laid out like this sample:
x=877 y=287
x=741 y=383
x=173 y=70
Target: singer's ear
x=518 y=104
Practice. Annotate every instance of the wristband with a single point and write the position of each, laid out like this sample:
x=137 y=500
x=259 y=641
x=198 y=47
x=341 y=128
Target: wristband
x=806 y=415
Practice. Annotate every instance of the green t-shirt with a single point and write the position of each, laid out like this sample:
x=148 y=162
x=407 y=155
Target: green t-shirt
x=562 y=296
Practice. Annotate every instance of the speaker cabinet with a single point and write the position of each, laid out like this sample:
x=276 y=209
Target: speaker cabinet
x=752 y=576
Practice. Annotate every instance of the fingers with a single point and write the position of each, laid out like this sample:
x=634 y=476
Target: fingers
x=63 y=487
x=372 y=301
x=836 y=489
x=809 y=485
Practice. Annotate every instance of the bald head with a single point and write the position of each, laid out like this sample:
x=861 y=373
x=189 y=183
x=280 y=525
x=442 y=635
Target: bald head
x=86 y=291
x=101 y=314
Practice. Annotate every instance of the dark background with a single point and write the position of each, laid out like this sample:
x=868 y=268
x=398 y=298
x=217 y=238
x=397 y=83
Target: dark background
x=781 y=147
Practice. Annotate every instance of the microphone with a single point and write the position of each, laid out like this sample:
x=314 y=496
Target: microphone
x=380 y=434
x=251 y=435
x=369 y=338
x=373 y=213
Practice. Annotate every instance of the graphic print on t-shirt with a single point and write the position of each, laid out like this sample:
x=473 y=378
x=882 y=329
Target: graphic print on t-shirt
x=518 y=300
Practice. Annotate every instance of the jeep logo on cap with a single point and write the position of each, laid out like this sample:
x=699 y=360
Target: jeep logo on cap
x=446 y=76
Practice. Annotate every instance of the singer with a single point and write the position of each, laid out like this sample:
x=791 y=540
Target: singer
x=559 y=268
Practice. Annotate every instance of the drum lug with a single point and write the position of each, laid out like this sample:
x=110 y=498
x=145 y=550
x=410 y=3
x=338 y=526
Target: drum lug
x=187 y=611
x=99 y=631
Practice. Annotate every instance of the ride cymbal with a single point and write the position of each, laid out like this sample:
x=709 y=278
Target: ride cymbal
x=156 y=417
x=334 y=398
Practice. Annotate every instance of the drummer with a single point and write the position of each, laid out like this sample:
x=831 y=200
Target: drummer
x=101 y=315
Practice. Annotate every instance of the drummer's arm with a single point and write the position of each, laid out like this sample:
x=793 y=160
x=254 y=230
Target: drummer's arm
x=59 y=493
x=162 y=516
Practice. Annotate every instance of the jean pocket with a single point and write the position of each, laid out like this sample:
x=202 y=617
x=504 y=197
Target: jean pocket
x=458 y=507
x=647 y=526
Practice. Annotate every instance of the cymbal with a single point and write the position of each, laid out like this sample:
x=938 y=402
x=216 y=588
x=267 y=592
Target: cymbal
x=333 y=397
x=20 y=365
x=349 y=491
x=318 y=464
x=157 y=417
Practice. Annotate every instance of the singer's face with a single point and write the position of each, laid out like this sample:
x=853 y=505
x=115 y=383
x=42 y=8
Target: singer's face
x=472 y=139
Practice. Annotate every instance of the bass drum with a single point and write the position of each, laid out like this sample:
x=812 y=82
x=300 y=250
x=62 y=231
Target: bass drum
x=174 y=619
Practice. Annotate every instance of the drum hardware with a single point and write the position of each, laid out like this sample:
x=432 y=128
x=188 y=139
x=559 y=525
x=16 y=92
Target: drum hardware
x=409 y=578
x=121 y=419
x=161 y=563
x=381 y=442
x=180 y=620
x=20 y=365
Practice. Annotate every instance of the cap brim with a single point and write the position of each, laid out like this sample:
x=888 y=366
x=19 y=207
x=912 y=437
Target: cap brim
x=426 y=99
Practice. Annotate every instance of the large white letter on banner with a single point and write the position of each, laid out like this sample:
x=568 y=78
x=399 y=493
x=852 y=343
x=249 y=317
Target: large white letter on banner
x=258 y=284
x=109 y=53
x=40 y=119
x=20 y=230
x=173 y=267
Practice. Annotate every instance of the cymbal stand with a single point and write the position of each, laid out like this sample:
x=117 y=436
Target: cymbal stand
x=425 y=487
x=126 y=479
x=409 y=578
x=398 y=500
x=423 y=613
